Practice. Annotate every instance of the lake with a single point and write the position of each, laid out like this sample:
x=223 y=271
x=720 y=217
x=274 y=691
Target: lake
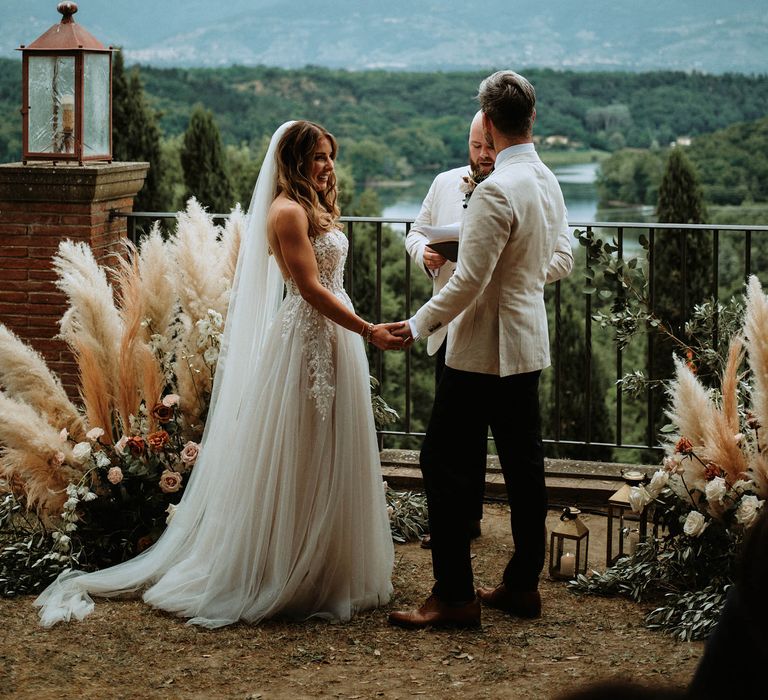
x=576 y=181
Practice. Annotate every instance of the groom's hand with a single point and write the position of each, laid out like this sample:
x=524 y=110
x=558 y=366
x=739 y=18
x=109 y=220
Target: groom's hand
x=385 y=337
x=402 y=329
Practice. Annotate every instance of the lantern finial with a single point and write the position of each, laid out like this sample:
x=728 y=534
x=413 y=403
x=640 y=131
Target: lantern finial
x=67 y=9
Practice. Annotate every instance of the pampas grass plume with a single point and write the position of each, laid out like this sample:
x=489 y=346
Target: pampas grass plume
x=756 y=332
x=25 y=376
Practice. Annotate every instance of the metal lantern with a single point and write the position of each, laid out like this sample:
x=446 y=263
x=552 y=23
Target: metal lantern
x=67 y=94
x=625 y=529
x=568 y=546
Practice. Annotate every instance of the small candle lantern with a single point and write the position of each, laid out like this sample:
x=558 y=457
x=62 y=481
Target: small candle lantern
x=625 y=528
x=66 y=94
x=568 y=546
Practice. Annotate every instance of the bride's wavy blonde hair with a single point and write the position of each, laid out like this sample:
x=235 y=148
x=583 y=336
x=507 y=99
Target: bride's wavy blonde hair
x=295 y=154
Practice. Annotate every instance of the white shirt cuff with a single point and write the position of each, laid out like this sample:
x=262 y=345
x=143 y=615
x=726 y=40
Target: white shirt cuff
x=414 y=329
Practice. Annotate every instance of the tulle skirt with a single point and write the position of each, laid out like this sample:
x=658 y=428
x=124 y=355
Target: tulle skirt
x=287 y=515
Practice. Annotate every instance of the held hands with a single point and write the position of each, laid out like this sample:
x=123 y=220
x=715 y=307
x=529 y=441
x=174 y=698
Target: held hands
x=432 y=259
x=386 y=336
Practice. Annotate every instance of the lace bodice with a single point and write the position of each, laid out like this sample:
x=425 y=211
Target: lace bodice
x=331 y=254
x=317 y=332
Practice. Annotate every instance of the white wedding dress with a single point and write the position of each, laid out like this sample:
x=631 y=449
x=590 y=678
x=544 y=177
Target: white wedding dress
x=285 y=513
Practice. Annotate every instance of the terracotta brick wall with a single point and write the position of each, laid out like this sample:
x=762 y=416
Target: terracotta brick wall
x=41 y=205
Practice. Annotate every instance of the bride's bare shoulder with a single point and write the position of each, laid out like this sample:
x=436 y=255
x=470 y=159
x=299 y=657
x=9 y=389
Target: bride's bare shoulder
x=287 y=213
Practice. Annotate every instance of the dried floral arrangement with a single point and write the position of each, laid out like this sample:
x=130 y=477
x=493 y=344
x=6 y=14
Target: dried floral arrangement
x=713 y=483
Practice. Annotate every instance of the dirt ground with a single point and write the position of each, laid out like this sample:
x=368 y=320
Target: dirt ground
x=127 y=650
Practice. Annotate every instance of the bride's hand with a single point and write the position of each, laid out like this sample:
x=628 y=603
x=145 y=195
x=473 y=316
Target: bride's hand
x=383 y=338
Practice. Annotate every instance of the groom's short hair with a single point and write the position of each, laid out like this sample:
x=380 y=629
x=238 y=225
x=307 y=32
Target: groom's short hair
x=509 y=101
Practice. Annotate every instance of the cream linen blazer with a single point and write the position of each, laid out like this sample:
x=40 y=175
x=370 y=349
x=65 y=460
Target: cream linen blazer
x=510 y=230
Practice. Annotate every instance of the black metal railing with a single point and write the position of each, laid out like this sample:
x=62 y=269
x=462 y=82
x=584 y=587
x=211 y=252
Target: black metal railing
x=386 y=231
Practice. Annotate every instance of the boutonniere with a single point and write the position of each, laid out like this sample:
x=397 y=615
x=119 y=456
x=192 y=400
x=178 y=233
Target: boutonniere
x=469 y=182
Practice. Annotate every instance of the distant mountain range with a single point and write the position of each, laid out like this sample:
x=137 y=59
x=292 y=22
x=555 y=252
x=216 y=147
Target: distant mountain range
x=701 y=35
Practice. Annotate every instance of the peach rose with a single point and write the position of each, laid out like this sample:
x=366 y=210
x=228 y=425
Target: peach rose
x=170 y=482
x=158 y=440
x=115 y=475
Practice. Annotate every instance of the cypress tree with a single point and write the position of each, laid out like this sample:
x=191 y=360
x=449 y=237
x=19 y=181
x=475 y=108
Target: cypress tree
x=682 y=264
x=202 y=159
x=136 y=134
x=680 y=197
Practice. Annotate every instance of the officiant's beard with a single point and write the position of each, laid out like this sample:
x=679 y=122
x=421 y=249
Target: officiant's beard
x=476 y=167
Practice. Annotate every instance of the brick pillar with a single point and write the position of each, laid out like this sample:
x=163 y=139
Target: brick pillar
x=41 y=205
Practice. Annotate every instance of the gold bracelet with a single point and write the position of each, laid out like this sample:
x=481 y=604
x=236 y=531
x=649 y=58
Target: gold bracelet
x=368 y=332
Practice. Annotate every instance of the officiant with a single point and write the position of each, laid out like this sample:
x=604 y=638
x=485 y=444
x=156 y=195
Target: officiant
x=443 y=207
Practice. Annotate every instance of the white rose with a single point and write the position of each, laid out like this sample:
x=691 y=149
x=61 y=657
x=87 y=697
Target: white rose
x=695 y=524
x=743 y=485
x=716 y=489
x=81 y=452
x=170 y=400
x=120 y=444
x=746 y=513
x=94 y=434
x=102 y=460
x=658 y=482
x=639 y=498
x=171 y=510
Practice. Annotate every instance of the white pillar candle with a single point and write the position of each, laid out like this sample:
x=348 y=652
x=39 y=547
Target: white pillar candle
x=568 y=564
x=633 y=539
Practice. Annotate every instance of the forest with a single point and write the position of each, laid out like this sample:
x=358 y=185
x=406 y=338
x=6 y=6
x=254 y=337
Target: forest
x=393 y=124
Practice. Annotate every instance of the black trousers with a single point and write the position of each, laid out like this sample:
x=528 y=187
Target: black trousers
x=466 y=405
x=477 y=494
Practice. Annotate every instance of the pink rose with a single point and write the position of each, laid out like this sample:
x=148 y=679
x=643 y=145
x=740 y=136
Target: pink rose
x=115 y=475
x=170 y=482
x=189 y=453
x=170 y=400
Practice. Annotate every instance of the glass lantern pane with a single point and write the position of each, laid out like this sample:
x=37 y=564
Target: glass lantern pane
x=51 y=104
x=96 y=118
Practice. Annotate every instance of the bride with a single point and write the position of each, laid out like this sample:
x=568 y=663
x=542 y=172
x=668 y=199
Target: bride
x=284 y=514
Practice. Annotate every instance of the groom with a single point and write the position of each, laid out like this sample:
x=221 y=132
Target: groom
x=497 y=347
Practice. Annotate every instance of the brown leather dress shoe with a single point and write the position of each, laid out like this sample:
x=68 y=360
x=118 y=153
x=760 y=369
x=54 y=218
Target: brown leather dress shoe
x=519 y=603
x=436 y=613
